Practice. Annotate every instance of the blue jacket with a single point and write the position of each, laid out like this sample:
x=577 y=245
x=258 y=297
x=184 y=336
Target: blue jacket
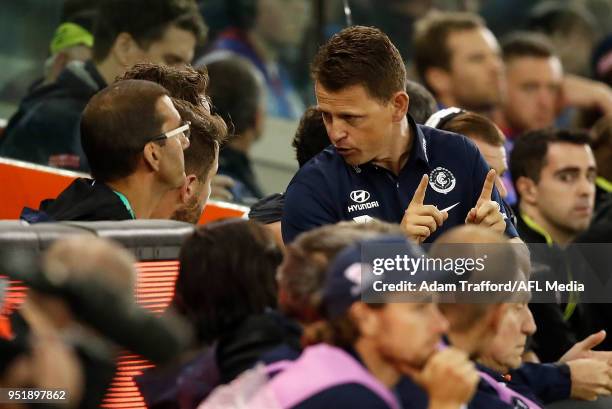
x=327 y=190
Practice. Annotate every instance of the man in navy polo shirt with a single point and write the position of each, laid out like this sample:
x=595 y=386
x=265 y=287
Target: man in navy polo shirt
x=382 y=164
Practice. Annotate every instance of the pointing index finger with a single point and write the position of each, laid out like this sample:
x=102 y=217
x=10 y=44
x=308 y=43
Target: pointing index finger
x=419 y=193
x=487 y=187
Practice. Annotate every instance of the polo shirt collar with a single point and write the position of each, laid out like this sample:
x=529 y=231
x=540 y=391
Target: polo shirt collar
x=419 y=145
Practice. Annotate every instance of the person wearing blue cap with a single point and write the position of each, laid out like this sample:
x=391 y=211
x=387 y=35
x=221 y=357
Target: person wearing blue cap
x=362 y=352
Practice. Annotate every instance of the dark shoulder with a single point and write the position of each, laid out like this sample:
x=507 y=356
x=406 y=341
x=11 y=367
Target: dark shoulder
x=324 y=164
x=346 y=396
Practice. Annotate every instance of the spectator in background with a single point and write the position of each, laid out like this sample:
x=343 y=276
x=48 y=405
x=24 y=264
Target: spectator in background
x=233 y=263
x=260 y=30
x=554 y=174
x=134 y=140
x=187 y=87
x=45 y=129
x=372 y=341
x=72 y=41
x=237 y=93
x=572 y=29
x=458 y=59
x=422 y=104
x=534 y=77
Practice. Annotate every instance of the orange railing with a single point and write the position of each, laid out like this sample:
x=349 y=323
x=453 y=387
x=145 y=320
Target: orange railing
x=24 y=184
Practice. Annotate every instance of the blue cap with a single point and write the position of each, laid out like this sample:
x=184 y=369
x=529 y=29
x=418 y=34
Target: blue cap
x=343 y=285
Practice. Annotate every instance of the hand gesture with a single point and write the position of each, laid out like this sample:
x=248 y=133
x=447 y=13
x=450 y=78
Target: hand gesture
x=487 y=212
x=421 y=220
x=449 y=378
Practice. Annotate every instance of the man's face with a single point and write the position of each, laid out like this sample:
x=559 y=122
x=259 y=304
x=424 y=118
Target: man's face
x=409 y=333
x=476 y=69
x=172 y=161
x=359 y=126
x=565 y=193
x=175 y=48
x=495 y=156
x=508 y=345
x=533 y=86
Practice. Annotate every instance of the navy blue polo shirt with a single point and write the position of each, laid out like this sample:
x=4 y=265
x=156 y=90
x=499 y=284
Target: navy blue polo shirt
x=327 y=190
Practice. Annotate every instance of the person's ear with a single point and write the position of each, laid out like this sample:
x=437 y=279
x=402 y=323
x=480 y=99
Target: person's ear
x=366 y=319
x=125 y=50
x=152 y=155
x=400 y=101
x=527 y=190
x=496 y=316
x=189 y=188
x=439 y=80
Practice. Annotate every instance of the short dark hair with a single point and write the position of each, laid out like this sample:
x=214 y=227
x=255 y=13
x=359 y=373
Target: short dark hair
x=422 y=104
x=186 y=83
x=311 y=136
x=116 y=125
x=526 y=44
x=364 y=56
x=145 y=20
x=227 y=271
x=236 y=90
x=431 y=39
x=208 y=132
x=528 y=156
x=187 y=87
x=474 y=126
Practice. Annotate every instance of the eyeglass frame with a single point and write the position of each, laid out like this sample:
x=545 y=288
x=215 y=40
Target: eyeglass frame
x=185 y=126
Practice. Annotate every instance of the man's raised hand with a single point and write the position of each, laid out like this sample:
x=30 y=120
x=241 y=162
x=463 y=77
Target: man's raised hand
x=421 y=220
x=487 y=212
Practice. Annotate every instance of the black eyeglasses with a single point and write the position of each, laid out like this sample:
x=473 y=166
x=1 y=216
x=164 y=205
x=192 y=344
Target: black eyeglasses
x=184 y=130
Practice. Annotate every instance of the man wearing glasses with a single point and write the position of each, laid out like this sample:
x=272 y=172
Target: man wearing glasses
x=134 y=139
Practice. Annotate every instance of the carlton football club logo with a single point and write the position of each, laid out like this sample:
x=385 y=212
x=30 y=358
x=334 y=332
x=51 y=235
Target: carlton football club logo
x=442 y=180
x=360 y=196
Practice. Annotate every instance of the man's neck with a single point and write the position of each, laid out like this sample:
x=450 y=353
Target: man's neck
x=108 y=70
x=143 y=194
x=381 y=369
x=398 y=152
x=559 y=236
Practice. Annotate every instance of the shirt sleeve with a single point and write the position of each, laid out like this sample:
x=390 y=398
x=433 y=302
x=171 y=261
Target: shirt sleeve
x=549 y=382
x=305 y=208
x=481 y=168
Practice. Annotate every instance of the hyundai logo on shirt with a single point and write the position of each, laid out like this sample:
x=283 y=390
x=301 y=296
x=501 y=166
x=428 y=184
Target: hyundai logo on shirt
x=361 y=196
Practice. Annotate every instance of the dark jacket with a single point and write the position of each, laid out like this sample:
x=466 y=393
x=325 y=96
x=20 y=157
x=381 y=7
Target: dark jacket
x=83 y=200
x=559 y=327
x=46 y=128
x=237 y=165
